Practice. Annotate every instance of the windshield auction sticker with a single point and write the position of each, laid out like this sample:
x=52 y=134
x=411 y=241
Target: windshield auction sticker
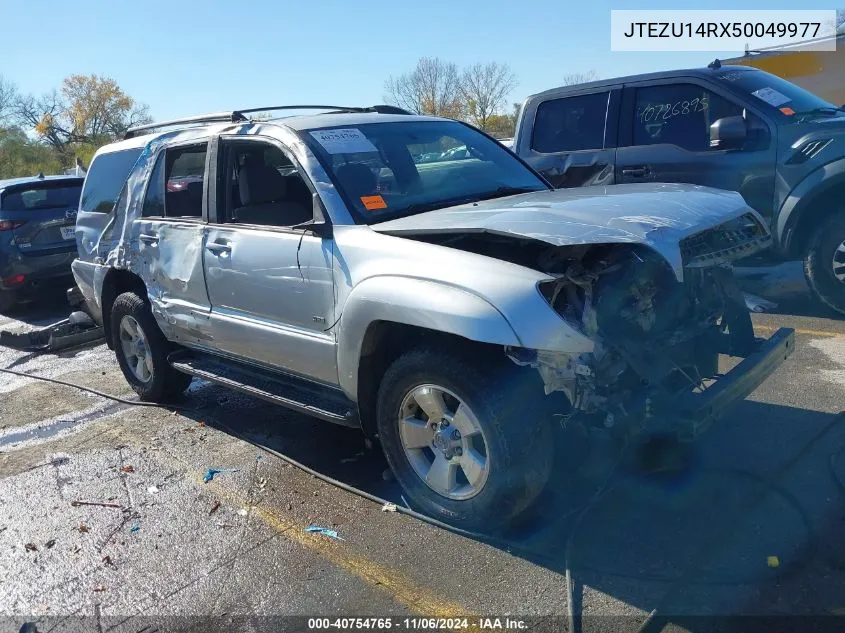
x=771 y=96
x=373 y=203
x=722 y=30
x=344 y=141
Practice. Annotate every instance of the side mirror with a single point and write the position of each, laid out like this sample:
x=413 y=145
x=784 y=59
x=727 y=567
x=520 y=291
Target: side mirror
x=728 y=133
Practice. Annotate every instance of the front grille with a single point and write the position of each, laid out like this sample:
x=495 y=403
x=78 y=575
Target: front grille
x=732 y=240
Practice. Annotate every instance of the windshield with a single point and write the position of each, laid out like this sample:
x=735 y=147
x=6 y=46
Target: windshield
x=772 y=92
x=387 y=170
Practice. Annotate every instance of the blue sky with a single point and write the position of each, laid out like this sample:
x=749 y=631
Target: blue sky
x=184 y=58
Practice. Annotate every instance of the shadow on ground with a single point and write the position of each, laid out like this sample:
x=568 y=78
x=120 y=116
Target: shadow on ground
x=749 y=521
x=45 y=306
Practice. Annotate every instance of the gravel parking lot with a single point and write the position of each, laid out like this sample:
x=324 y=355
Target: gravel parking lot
x=753 y=525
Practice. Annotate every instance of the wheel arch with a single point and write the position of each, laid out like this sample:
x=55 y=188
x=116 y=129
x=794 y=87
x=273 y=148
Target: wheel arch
x=806 y=204
x=385 y=341
x=116 y=282
x=387 y=315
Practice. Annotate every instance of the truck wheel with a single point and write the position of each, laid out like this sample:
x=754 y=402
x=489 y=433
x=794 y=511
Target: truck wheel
x=469 y=445
x=142 y=350
x=824 y=264
x=7 y=300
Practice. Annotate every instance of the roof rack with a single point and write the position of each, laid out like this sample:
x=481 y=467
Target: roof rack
x=238 y=116
x=218 y=117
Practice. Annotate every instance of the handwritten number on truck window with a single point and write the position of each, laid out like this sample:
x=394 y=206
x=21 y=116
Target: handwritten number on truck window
x=666 y=111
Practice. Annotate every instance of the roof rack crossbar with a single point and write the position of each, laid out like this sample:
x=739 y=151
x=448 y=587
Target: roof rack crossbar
x=238 y=116
x=301 y=107
x=381 y=109
x=217 y=117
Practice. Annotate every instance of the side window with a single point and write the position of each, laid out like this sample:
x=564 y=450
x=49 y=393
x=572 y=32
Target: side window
x=105 y=179
x=177 y=183
x=681 y=114
x=571 y=124
x=265 y=187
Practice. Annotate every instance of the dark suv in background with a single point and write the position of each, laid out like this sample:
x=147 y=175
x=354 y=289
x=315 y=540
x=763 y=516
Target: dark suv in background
x=730 y=127
x=37 y=241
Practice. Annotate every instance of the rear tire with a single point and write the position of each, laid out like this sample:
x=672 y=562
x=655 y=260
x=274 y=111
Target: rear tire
x=488 y=487
x=824 y=264
x=142 y=350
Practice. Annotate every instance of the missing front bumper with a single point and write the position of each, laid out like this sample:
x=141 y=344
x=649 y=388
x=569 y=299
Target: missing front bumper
x=697 y=411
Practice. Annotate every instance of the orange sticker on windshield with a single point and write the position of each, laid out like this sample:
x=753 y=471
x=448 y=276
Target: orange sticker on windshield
x=373 y=203
x=787 y=111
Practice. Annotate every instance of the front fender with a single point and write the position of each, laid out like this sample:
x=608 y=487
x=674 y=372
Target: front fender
x=801 y=198
x=416 y=302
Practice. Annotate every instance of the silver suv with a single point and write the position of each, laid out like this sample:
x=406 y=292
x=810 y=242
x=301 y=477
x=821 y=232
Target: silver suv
x=459 y=311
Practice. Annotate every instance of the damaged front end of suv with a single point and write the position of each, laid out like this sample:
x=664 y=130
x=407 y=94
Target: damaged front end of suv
x=658 y=338
x=654 y=294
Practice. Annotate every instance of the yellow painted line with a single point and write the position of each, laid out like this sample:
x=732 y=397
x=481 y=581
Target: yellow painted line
x=769 y=328
x=396 y=584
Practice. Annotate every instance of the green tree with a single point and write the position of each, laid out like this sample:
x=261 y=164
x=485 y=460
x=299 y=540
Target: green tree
x=501 y=125
x=23 y=156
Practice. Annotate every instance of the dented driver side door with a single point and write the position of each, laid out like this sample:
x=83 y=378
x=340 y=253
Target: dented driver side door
x=169 y=237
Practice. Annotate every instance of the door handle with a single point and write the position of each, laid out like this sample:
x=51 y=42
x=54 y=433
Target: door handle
x=636 y=172
x=218 y=249
x=148 y=239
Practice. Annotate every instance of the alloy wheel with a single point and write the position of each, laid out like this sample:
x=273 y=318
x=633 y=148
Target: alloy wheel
x=136 y=349
x=444 y=442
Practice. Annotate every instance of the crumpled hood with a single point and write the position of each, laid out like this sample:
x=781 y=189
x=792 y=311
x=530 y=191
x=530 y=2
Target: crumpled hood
x=659 y=215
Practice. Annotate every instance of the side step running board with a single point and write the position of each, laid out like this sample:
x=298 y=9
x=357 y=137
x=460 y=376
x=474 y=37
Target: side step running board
x=285 y=390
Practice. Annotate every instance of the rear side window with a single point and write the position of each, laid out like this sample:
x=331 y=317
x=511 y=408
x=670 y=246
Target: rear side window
x=46 y=196
x=571 y=124
x=176 y=184
x=105 y=179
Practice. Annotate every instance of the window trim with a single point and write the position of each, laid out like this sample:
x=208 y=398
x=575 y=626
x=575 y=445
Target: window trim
x=586 y=93
x=222 y=155
x=161 y=155
x=629 y=107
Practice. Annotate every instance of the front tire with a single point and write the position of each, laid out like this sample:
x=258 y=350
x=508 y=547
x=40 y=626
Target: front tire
x=470 y=444
x=824 y=264
x=142 y=350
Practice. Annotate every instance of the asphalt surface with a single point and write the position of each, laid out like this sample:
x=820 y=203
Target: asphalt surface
x=751 y=524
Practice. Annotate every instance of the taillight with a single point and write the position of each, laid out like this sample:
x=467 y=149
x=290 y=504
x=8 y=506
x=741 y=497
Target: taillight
x=14 y=280
x=10 y=225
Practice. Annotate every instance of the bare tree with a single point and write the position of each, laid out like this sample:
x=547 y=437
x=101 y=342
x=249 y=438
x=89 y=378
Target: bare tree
x=30 y=111
x=8 y=98
x=485 y=88
x=579 y=78
x=433 y=87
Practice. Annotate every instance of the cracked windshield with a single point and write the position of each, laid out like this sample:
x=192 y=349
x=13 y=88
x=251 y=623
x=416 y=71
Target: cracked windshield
x=536 y=325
